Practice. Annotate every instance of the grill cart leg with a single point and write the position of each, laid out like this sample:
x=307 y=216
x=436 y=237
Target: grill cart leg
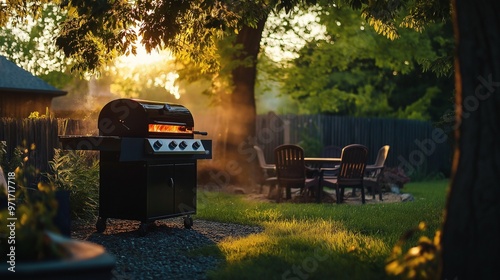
x=100 y=225
x=144 y=227
x=188 y=222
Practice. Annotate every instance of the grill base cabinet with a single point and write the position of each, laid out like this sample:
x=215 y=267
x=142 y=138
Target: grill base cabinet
x=145 y=191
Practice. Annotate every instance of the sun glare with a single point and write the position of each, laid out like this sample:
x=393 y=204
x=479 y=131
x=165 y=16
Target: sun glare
x=131 y=67
x=143 y=58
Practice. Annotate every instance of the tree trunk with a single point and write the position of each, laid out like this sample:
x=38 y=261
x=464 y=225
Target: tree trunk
x=471 y=231
x=240 y=163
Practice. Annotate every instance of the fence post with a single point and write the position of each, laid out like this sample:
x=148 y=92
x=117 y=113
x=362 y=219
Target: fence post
x=286 y=131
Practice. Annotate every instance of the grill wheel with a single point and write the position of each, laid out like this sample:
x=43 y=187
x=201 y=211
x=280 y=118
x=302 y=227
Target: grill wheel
x=188 y=222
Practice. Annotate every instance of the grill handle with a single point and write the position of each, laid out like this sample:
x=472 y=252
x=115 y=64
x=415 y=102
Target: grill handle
x=172 y=182
x=200 y=132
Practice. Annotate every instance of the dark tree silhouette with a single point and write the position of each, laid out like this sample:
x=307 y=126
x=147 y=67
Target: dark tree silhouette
x=472 y=224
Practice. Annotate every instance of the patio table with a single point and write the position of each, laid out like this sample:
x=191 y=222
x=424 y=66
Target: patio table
x=319 y=164
x=320 y=161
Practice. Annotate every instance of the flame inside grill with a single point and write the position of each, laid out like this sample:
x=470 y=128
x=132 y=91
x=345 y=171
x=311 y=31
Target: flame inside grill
x=168 y=128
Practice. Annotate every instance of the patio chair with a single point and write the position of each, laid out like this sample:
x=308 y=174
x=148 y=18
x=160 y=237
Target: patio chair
x=374 y=172
x=268 y=170
x=291 y=171
x=350 y=172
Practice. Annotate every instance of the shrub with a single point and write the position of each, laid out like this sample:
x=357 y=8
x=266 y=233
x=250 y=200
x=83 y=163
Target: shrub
x=311 y=145
x=77 y=172
x=393 y=176
x=36 y=209
x=16 y=159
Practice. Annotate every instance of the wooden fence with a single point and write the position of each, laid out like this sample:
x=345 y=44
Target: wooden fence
x=38 y=138
x=416 y=146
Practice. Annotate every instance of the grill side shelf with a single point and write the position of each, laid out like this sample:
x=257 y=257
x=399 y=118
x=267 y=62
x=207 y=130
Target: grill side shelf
x=101 y=143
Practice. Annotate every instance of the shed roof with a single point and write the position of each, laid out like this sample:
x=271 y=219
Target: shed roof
x=14 y=78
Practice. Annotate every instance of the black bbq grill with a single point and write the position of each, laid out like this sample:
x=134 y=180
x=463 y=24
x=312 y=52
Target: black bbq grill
x=148 y=157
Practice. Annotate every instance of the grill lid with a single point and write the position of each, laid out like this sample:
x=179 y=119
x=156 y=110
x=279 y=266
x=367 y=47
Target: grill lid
x=142 y=118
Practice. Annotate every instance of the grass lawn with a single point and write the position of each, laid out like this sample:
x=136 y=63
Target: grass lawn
x=318 y=241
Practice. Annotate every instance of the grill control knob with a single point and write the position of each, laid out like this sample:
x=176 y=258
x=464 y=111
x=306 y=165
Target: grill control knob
x=157 y=144
x=172 y=145
x=196 y=145
x=183 y=145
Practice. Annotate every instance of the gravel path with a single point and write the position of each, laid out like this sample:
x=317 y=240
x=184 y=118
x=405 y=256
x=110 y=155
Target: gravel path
x=163 y=252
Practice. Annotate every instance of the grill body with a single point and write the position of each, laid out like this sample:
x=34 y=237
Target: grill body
x=148 y=161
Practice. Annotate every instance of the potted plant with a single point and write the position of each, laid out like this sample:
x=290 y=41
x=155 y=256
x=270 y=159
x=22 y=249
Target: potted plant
x=30 y=244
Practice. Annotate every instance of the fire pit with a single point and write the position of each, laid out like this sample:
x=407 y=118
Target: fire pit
x=148 y=157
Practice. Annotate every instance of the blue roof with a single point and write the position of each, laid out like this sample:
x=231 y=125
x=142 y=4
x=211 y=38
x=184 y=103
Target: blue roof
x=14 y=78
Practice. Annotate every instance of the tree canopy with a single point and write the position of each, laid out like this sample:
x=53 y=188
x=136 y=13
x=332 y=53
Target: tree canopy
x=30 y=45
x=353 y=71
x=95 y=32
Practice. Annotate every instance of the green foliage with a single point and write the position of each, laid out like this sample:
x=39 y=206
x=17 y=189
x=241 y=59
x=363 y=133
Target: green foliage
x=387 y=16
x=28 y=41
x=419 y=110
x=422 y=261
x=312 y=145
x=15 y=160
x=31 y=45
x=94 y=34
x=78 y=173
x=350 y=72
x=35 y=210
x=18 y=11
